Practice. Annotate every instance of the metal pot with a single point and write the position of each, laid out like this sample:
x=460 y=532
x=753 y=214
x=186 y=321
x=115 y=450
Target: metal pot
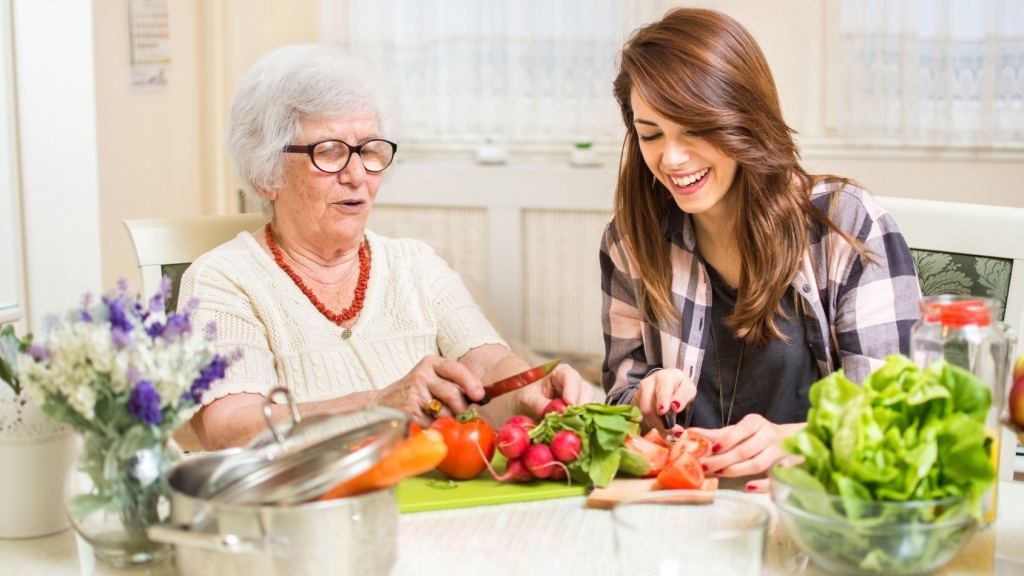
x=348 y=536
x=255 y=510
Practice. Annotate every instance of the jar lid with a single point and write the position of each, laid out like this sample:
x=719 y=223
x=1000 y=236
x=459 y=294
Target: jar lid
x=303 y=462
x=955 y=313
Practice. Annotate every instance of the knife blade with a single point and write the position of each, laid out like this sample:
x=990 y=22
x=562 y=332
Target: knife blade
x=668 y=419
x=511 y=383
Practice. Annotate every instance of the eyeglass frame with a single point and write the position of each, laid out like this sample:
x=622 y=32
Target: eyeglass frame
x=356 y=150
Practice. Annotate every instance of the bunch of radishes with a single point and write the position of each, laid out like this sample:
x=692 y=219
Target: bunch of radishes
x=529 y=459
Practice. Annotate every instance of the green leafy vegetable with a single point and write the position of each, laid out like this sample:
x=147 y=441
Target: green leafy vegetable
x=602 y=430
x=905 y=434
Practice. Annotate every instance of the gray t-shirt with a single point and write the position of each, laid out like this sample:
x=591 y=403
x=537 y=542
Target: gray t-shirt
x=773 y=379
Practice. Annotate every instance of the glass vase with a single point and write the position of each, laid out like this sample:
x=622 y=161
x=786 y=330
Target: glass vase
x=116 y=491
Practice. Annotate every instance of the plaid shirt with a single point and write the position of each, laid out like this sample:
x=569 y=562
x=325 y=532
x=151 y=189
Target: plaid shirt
x=854 y=312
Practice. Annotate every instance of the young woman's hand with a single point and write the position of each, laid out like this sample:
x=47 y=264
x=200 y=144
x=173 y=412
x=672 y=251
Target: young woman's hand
x=663 y=391
x=747 y=448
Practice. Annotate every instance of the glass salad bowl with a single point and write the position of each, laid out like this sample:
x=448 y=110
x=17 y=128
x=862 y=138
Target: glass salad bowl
x=862 y=537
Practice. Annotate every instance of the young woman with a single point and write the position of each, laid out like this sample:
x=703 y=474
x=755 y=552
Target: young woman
x=732 y=278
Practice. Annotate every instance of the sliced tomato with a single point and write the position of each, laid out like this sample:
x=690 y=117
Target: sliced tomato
x=654 y=436
x=697 y=445
x=655 y=454
x=682 y=473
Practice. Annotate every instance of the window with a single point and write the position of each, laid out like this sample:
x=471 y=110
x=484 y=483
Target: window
x=526 y=72
x=932 y=71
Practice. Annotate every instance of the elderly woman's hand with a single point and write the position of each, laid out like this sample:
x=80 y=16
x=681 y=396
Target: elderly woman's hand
x=433 y=377
x=563 y=382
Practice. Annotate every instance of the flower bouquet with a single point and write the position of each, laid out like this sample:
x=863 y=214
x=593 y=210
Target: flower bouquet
x=124 y=376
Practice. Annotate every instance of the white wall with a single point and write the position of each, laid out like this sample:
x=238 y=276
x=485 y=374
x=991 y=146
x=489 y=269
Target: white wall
x=141 y=155
x=57 y=133
x=10 y=220
x=149 y=149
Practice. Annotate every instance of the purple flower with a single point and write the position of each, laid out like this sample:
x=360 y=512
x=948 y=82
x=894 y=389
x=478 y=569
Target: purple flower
x=38 y=353
x=120 y=340
x=156 y=303
x=155 y=330
x=118 y=317
x=214 y=371
x=177 y=325
x=144 y=404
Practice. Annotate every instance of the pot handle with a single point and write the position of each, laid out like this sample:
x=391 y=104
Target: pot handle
x=274 y=546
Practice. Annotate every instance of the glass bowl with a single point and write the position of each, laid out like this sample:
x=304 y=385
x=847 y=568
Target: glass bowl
x=862 y=537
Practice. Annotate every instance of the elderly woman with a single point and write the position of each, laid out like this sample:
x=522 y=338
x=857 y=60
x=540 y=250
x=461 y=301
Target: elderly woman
x=315 y=301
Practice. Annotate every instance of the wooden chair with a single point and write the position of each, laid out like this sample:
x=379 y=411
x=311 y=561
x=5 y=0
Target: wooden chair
x=167 y=246
x=973 y=250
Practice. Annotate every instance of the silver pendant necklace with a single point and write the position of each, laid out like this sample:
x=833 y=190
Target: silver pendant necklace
x=735 y=383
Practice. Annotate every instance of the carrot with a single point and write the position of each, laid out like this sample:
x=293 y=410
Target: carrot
x=418 y=453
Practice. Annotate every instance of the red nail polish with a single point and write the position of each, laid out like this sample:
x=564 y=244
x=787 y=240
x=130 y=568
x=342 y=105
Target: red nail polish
x=715 y=449
x=661 y=407
x=704 y=466
x=751 y=487
x=719 y=471
x=676 y=404
x=678 y=433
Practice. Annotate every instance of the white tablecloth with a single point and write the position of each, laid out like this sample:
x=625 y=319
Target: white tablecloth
x=557 y=536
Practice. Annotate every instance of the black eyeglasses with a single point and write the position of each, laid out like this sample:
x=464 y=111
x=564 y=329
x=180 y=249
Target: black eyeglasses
x=332 y=156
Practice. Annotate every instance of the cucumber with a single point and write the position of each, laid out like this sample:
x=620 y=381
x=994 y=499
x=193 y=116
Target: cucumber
x=633 y=464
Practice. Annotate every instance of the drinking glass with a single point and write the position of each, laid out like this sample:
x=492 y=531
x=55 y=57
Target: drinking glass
x=681 y=532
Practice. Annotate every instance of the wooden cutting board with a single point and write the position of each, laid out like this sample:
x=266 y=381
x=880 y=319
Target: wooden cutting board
x=621 y=488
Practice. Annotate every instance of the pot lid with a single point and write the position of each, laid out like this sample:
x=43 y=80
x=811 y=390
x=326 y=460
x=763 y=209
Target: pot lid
x=307 y=458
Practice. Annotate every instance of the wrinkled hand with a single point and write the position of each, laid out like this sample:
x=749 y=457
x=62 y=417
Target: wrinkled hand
x=563 y=382
x=747 y=448
x=432 y=377
x=665 y=390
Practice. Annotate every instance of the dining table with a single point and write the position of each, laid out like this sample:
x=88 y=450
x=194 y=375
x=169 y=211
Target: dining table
x=551 y=536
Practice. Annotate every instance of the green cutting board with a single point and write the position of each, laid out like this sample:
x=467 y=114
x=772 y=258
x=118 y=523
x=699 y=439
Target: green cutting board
x=434 y=491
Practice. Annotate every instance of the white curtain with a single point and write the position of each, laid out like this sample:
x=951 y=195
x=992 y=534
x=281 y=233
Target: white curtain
x=934 y=71
x=518 y=71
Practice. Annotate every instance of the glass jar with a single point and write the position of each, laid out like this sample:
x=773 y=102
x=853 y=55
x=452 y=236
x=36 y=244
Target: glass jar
x=115 y=492
x=963 y=331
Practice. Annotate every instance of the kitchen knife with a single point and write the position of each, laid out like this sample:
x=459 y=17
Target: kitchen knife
x=515 y=382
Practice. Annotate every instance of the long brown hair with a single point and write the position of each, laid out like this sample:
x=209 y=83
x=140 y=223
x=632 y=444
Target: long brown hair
x=701 y=69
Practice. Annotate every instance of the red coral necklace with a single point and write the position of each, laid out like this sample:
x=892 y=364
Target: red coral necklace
x=357 y=302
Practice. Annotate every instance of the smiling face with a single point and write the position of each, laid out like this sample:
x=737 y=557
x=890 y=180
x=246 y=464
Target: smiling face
x=327 y=211
x=700 y=177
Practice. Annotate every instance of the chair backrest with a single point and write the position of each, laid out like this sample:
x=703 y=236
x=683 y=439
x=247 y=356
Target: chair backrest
x=968 y=249
x=167 y=246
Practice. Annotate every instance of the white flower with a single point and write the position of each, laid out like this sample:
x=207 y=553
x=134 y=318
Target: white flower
x=95 y=359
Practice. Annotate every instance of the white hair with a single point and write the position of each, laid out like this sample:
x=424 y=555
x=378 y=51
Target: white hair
x=285 y=88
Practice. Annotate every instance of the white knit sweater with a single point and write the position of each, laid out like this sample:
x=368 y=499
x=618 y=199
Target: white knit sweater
x=415 y=305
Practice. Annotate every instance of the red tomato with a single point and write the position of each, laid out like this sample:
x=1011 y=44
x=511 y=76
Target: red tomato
x=466 y=436
x=655 y=454
x=682 y=473
x=693 y=443
x=654 y=436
